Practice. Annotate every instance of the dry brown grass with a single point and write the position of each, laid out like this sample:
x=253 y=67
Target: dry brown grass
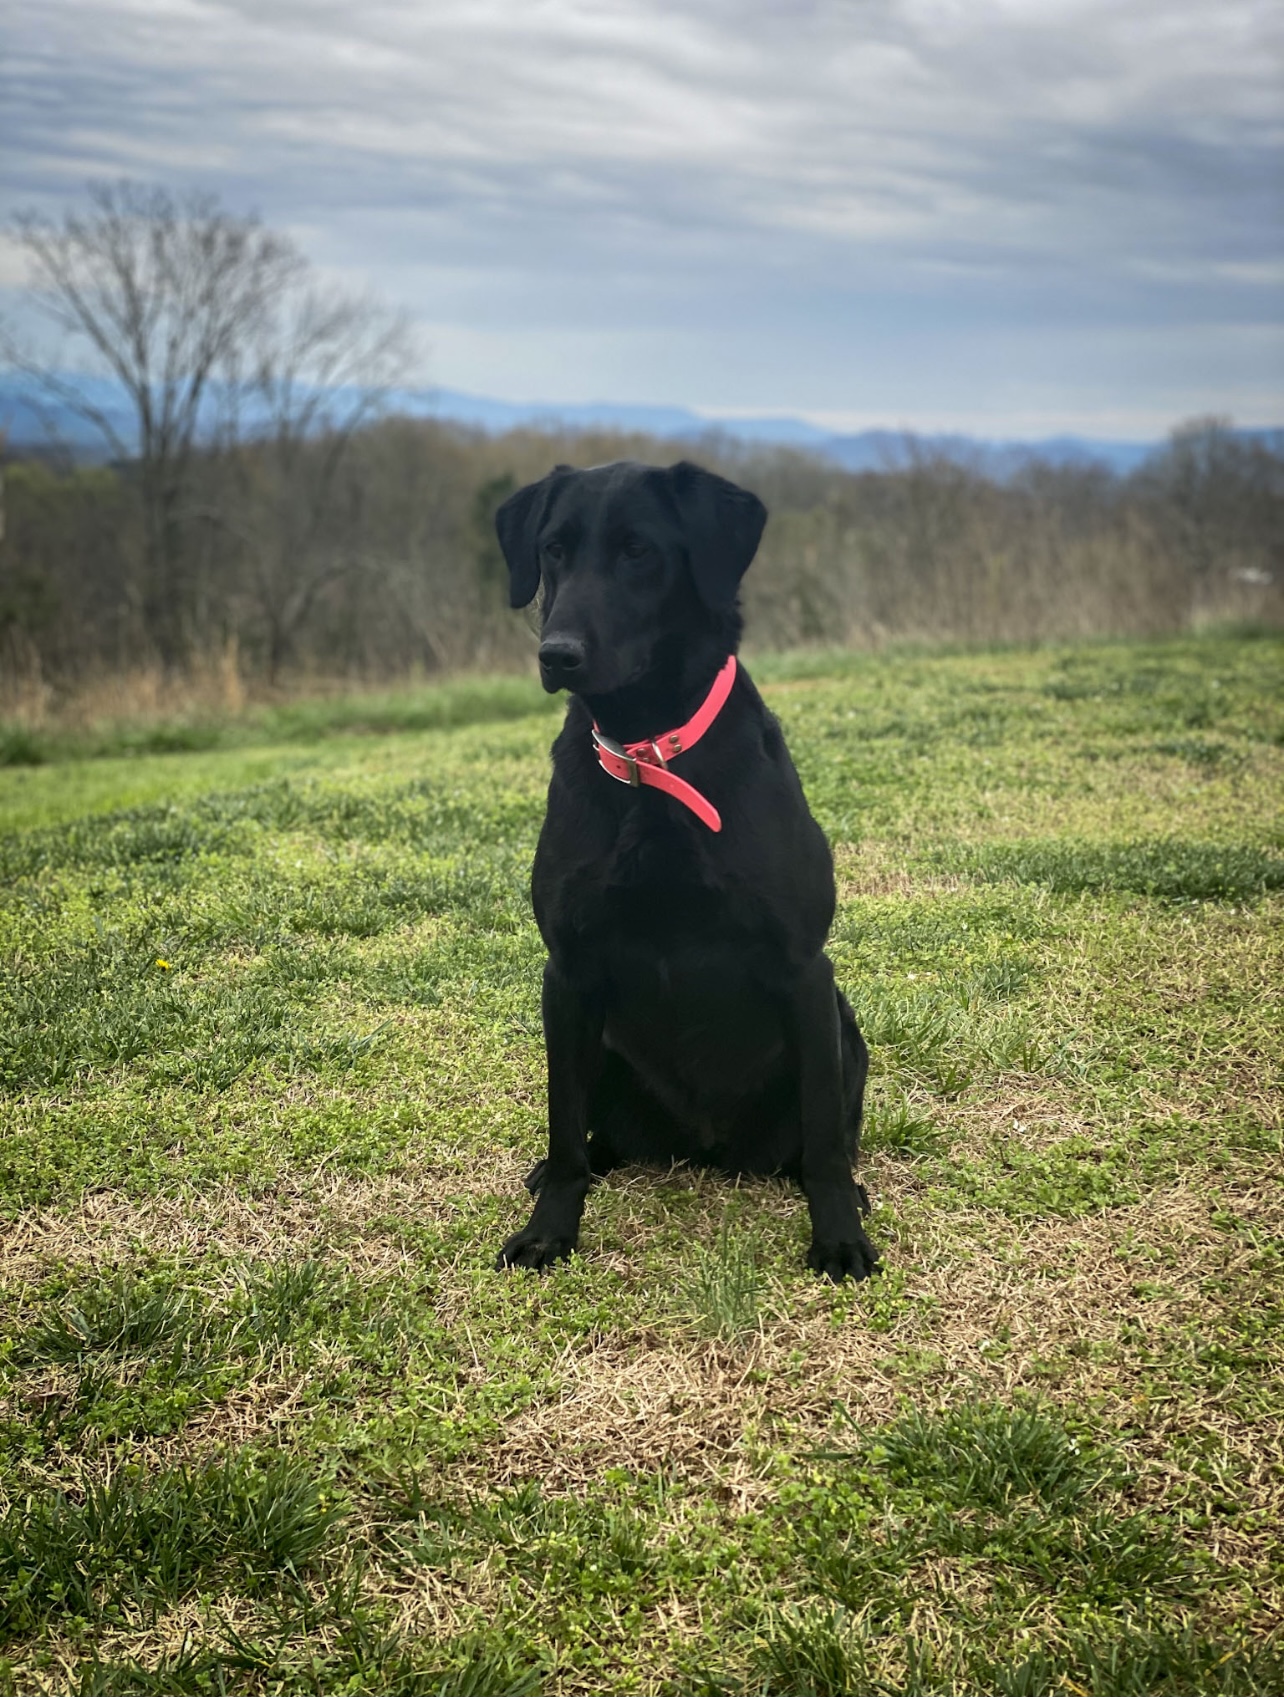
x=213 y=686
x=988 y=1306
x=312 y=1212
x=991 y=1309
x=875 y=868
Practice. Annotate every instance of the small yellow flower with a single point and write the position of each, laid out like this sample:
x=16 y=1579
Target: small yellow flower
x=164 y=965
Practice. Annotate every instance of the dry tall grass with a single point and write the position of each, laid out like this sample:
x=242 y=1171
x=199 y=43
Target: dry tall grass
x=213 y=686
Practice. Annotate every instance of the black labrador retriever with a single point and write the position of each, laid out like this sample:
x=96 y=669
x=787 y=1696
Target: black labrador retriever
x=690 y=1012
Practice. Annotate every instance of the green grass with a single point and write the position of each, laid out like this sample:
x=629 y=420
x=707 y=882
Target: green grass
x=271 y=1072
x=149 y=1541
x=728 y=1288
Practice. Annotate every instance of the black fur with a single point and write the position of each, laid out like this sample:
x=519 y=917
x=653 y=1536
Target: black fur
x=690 y=1012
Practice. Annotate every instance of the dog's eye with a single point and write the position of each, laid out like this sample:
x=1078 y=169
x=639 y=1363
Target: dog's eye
x=635 y=548
x=554 y=552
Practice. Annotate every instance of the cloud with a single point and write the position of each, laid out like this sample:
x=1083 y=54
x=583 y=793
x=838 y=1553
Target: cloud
x=853 y=184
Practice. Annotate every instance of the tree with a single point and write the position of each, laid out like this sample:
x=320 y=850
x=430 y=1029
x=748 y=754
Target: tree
x=157 y=293
x=1221 y=495
x=313 y=369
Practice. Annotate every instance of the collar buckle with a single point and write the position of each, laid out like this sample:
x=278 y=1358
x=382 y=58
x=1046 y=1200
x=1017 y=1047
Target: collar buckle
x=620 y=753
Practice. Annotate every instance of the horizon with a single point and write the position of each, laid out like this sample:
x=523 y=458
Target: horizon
x=662 y=420
x=830 y=424
x=1010 y=220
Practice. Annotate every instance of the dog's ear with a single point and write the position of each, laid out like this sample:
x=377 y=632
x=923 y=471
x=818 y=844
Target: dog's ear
x=517 y=522
x=722 y=524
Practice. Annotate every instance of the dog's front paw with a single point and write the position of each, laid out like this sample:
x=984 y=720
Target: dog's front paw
x=528 y=1248
x=852 y=1258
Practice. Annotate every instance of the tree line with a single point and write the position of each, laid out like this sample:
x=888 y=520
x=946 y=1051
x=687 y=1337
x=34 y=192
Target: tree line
x=265 y=510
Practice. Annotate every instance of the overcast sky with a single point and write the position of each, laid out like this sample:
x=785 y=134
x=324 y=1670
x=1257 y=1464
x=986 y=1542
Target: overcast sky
x=1005 y=216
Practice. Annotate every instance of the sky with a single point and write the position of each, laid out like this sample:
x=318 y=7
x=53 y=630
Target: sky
x=1010 y=217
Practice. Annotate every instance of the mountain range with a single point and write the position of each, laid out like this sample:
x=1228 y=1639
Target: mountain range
x=866 y=450
x=29 y=427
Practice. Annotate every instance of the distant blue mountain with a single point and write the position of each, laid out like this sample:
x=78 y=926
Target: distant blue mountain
x=31 y=425
x=867 y=450
x=30 y=420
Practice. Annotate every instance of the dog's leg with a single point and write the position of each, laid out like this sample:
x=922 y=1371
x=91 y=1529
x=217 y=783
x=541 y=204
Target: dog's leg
x=573 y=1040
x=602 y=1160
x=839 y=1247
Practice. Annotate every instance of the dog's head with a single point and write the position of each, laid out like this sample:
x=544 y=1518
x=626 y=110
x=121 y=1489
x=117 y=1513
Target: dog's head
x=632 y=557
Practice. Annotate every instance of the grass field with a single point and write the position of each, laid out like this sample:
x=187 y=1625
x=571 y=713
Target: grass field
x=272 y=1072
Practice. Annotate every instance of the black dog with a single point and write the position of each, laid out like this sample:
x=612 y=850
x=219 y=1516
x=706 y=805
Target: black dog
x=690 y=1012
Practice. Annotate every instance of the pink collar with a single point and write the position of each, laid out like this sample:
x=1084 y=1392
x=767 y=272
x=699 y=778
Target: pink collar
x=646 y=763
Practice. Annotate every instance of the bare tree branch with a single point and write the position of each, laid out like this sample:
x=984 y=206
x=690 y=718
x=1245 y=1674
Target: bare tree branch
x=154 y=292
x=317 y=368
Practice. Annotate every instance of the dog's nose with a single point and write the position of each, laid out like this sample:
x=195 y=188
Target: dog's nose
x=561 y=658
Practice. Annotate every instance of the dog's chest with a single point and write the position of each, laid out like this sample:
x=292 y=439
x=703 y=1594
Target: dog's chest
x=664 y=886
x=688 y=999
x=669 y=936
